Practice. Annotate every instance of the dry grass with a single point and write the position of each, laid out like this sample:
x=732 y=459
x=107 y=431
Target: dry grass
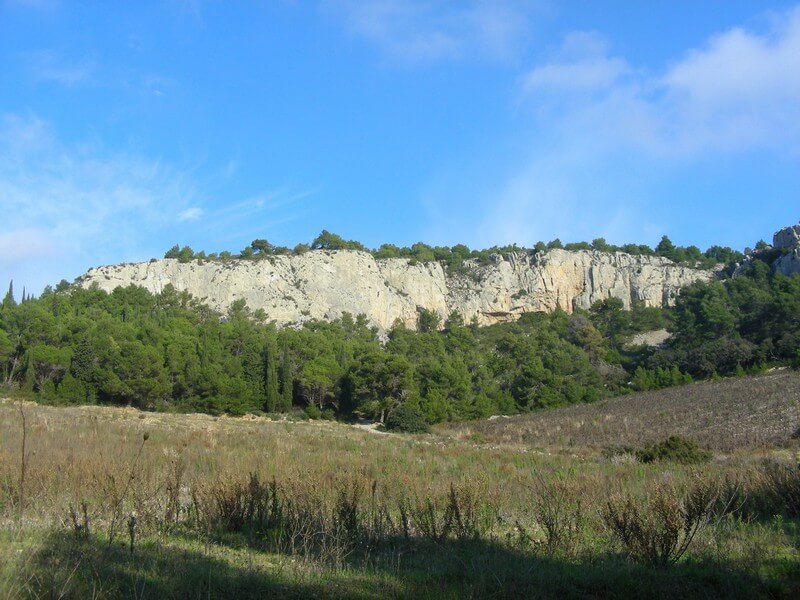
x=750 y=412
x=184 y=504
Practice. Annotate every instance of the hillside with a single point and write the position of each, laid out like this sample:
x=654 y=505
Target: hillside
x=747 y=412
x=324 y=284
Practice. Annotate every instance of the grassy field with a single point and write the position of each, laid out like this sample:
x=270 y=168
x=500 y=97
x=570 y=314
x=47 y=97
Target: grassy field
x=117 y=503
x=741 y=412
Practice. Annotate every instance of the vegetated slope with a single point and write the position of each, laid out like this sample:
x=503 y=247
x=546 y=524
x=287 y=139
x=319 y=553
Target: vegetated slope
x=724 y=415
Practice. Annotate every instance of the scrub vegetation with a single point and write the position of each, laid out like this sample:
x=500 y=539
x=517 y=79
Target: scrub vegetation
x=120 y=503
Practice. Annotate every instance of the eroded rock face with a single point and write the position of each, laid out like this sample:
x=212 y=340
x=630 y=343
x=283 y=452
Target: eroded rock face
x=788 y=240
x=788 y=237
x=324 y=284
x=788 y=264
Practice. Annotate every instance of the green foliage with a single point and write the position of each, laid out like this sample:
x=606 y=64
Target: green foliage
x=170 y=352
x=655 y=379
x=428 y=320
x=261 y=246
x=313 y=412
x=272 y=398
x=287 y=383
x=453 y=257
x=8 y=300
x=378 y=382
x=407 y=419
x=183 y=255
x=724 y=327
x=330 y=241
x=674 y=449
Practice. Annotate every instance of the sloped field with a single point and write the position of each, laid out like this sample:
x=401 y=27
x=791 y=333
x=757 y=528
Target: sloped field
x=747 y=412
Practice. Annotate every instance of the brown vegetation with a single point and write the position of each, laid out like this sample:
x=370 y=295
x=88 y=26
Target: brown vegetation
x=303 y=504
x=742 y=412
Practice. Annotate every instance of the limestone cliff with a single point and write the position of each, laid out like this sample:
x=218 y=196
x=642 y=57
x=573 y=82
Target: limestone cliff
x=787 y=240
x=324 y=284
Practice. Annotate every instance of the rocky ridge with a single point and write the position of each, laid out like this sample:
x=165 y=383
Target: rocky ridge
x=788 y=241
x=323 y=284
x=784 y=251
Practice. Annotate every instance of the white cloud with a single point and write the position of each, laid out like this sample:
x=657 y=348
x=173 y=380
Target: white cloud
x=190 y=214
x=589 y=73
x=740 y=91
x=414 y=31
x=606 y=136
x=581 y=64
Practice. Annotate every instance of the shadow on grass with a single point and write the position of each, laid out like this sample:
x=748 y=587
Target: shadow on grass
x=182 y=567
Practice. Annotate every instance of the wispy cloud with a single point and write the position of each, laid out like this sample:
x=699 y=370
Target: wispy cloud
x=420 y=31
x=582 y=65
x=67 y=206
x=190 y=214
x=260 y=214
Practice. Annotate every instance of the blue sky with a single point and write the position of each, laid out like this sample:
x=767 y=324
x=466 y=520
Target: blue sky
x=126 y=128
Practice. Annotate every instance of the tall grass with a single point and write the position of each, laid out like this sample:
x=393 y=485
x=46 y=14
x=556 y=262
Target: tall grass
x=335 y=499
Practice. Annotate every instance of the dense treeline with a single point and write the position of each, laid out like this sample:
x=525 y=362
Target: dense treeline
x=170 y=352
x=454 y=256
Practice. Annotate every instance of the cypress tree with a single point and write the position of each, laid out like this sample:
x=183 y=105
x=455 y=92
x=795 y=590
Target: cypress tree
x=83 y=360
x=287 y=383
x=9 y=299
x=271 y=395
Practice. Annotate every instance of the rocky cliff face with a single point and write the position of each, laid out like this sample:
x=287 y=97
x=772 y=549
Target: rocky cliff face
x=324 y=284
x=788 y=240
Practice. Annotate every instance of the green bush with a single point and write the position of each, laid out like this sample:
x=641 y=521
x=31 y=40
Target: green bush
x=313 y=412
x=674 y=449
x=407 y=419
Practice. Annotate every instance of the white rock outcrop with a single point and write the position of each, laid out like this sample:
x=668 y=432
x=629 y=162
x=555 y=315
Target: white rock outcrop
x=788 y=240
x=788 y=237
x=325 y=284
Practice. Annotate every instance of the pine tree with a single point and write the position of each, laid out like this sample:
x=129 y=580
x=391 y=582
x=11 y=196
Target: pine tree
x=287 y=383
x=272 y=396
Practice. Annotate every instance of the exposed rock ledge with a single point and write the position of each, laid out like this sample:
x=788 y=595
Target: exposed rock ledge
x=324 y=284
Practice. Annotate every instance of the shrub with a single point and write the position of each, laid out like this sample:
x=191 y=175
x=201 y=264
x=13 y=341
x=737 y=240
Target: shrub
x=407 y=419
x=460 y=514
x=312 y=411
x=620 y=454
x=236 y=505
x=674 y=449
x=558 y=509
x=659 y=529
x=780 y=483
